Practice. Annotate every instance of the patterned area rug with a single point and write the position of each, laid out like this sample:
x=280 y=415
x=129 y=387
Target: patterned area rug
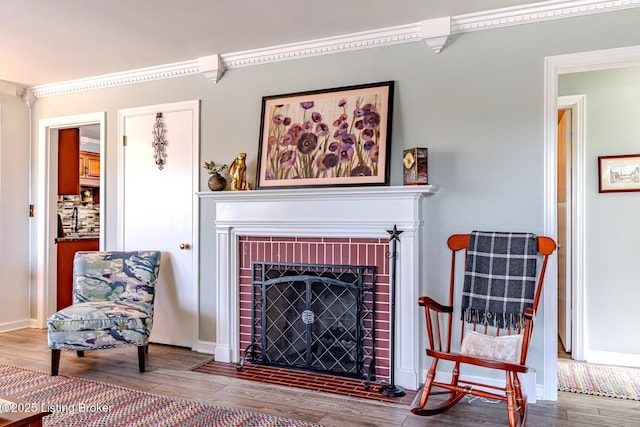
x=80 y=402
x=599 y=380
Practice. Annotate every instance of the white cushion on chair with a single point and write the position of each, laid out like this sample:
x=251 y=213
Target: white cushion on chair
x=504 y=348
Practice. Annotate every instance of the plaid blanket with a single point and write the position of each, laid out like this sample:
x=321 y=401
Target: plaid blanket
x=499 y=278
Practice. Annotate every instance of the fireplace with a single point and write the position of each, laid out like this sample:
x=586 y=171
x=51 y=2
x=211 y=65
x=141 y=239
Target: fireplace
x=340 y=225
x=313 y=317
x=332 y=252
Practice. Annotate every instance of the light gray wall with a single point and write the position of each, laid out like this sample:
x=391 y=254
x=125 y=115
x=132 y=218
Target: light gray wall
x=612 y=230
x=14 y=218
x=477 y=106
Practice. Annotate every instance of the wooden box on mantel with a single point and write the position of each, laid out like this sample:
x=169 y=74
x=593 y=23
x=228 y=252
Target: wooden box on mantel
x=415 y=170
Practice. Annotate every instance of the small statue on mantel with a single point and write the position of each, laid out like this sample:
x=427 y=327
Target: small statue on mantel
x=238 y=171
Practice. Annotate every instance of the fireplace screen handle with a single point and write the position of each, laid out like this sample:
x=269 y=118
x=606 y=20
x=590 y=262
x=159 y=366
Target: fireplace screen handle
x=308 y=317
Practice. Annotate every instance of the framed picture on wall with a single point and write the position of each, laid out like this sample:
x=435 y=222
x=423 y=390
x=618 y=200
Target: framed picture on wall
x=619 y=173
x=328 y=137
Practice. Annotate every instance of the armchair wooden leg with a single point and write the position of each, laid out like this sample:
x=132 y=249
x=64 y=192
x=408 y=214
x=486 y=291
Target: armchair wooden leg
x=55 y=362
x=142 y=351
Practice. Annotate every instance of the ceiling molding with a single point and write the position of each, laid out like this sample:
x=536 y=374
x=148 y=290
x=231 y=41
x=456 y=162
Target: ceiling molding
x=212 y=67
x=436 y=32
x=498 y=18
x=167 y=71
x=326 y=46
x=8 y=91
x=526 y=14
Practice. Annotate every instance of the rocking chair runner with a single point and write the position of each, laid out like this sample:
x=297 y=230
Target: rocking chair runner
x=499 y=301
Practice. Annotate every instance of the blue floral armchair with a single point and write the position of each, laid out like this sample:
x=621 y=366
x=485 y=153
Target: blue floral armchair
x=113 y=295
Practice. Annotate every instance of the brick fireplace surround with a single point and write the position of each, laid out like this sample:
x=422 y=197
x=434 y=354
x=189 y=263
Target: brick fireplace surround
x=346 y=225
x=321 y=250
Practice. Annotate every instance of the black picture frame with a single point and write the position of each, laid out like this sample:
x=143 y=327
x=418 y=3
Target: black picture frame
x=329 y=137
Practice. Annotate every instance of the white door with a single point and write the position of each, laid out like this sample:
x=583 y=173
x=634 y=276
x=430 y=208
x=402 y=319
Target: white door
x=158 y=209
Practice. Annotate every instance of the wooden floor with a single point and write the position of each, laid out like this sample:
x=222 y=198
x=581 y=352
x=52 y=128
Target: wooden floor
x=168 y=373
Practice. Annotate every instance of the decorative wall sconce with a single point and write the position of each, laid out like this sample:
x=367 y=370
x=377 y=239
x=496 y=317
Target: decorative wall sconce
x=159 y=142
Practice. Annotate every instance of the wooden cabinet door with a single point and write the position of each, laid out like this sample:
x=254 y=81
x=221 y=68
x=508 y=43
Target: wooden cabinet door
x=82 y=165
x=66 y=251
x=68 y=158
x=89 y=168
x=92 y=165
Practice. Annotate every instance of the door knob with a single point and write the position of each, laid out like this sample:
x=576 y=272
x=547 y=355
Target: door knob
x=184 y=246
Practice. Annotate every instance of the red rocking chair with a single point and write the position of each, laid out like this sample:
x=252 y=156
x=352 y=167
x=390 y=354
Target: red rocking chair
x=501 y=291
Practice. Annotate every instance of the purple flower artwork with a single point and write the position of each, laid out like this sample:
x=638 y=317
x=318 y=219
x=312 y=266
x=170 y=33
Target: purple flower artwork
x=324 y=138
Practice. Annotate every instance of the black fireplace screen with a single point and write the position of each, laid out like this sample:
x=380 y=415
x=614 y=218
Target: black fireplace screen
x=314 y=317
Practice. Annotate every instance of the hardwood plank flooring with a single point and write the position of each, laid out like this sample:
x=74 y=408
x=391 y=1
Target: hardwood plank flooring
x=169 y=374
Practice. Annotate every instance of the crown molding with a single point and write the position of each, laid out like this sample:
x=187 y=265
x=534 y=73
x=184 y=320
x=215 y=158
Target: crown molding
x=436 y=32
x=160 y=72
x=8 y=91
x=355 y=41
x=526 y=14
x=497 y=18
x=212 y=67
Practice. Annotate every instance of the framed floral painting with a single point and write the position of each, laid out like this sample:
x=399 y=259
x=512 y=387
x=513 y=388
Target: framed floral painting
x=329 y=137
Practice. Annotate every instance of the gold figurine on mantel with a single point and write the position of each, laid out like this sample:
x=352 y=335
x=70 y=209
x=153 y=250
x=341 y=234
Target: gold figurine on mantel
x=238 y=171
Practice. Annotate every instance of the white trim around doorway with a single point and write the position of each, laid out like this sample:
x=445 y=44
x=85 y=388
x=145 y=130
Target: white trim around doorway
x=46 y=196
x=554 y=66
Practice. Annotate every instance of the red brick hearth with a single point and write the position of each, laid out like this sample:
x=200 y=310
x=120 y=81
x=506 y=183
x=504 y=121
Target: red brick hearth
x=342 y=251
x=305 y=380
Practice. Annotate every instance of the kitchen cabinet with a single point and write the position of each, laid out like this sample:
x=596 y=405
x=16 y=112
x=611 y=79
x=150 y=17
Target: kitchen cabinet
x=66 y=250
x=87 y=174
x=68 y=154
x=89 y=169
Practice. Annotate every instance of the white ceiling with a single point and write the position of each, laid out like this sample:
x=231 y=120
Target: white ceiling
x=45 y=41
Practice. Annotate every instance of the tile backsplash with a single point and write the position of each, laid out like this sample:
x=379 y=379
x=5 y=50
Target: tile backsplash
x=88 y=215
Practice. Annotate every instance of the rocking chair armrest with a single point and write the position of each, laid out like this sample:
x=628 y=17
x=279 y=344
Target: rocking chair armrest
x=433 y=305
x=433 y=312
x=529 y=314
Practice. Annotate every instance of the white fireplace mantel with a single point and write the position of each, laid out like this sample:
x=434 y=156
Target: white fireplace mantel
x=323 y=212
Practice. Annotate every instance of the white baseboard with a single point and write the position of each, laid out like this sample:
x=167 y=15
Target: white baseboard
x=611 y=358
x=14 y=326
x=539 y=392
x=406 y=378
x=206 y=347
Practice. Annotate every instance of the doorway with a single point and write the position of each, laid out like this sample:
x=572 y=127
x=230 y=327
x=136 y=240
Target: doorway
x=565 y=198
x=553 y=66
x=47 y=201
x=570 y=235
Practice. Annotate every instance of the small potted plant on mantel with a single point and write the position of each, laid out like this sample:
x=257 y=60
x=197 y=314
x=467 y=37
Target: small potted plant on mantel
x=216 y=182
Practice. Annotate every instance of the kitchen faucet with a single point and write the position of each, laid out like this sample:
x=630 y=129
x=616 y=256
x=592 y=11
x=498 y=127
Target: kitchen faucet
x=74 y=215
